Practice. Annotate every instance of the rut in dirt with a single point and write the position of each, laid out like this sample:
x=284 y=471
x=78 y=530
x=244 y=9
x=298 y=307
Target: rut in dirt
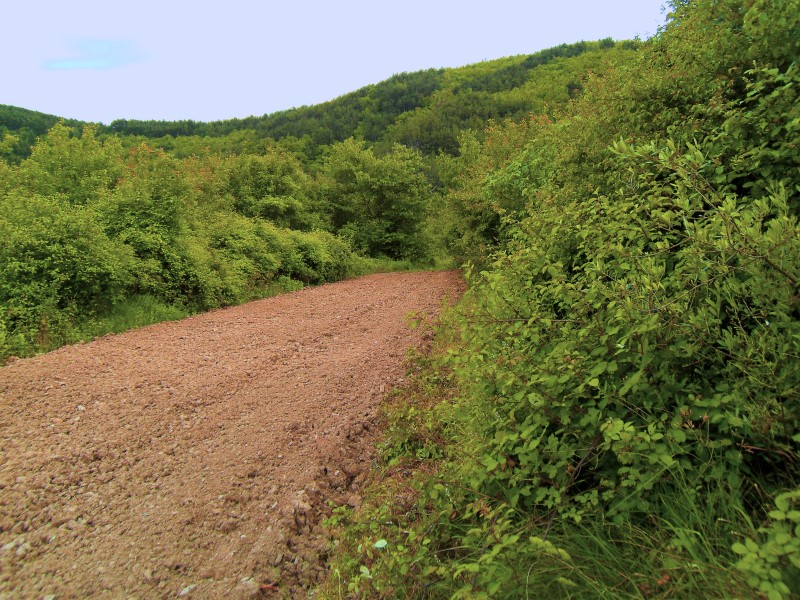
x=197 y=458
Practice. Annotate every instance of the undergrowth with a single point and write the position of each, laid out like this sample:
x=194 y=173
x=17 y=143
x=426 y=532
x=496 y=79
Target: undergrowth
x=423 y=531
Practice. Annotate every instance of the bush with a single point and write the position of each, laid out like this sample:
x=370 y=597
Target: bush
x=378 y=204
x=56 y=264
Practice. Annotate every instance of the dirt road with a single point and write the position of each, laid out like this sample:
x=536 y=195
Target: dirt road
x=195 y=458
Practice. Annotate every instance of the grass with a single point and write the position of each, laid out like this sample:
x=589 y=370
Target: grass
x=685 y=554
x=131 y=313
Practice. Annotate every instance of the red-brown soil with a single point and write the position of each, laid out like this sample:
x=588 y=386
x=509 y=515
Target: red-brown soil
x=197 y=458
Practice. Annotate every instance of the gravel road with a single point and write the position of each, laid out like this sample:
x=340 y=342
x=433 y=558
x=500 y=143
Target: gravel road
x=196 y=458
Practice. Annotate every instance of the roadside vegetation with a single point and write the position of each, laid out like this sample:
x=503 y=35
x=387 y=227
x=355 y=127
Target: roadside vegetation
x=97 y=238
x=612 y=411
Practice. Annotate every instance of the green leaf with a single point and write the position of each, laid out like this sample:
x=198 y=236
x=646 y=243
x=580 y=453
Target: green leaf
x=739 y=548
x=630 y=382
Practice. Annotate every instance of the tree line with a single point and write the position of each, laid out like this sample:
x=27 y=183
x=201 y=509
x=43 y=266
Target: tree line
x=367 y=113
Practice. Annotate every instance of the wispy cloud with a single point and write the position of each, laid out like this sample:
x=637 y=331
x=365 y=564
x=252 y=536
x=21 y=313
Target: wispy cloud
x=97 y=54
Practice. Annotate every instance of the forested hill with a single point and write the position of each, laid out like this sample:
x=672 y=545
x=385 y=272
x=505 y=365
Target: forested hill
x=26 y=125
x=424 y=110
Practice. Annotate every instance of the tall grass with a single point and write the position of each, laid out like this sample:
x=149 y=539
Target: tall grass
x=131 y=313
x=685 y=554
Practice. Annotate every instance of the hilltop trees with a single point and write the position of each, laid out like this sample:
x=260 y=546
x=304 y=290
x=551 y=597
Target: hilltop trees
x=433 y=106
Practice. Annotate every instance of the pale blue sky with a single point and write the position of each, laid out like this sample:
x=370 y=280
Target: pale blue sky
x=172 y=59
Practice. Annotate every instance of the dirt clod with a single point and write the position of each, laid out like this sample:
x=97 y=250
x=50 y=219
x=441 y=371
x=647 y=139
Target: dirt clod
x=197 y=459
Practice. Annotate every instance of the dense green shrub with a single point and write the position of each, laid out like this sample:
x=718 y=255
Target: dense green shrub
x=147 y=212
x=664 y=336
x=324 y=257
x=378 y=203
x=56 y=263
x=633 y=343
x=273 y=187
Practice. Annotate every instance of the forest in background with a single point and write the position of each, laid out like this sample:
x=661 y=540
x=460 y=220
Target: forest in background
x=612 y=410
x=424 y=110
x=110 y=227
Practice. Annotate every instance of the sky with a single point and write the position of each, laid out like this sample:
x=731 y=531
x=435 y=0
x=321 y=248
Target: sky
x=210 y=60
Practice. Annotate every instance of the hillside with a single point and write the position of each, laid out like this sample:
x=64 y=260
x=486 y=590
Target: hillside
x=425 y=109
x=26 y=125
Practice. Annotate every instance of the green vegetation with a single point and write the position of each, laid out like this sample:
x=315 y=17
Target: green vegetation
x=614 y=413
x=378 y=203
x=20 y=128
x=611 y=412
x=95 y=237
x=138 y=221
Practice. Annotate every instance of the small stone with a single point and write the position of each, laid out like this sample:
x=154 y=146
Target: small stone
x=228 y=525
x=187 y=590
x=249 y=588
x=278 y=560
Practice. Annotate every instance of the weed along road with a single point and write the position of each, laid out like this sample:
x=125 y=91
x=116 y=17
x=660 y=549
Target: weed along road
x=196 y=458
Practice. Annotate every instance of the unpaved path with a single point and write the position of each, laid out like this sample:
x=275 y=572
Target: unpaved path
x=196 y=458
